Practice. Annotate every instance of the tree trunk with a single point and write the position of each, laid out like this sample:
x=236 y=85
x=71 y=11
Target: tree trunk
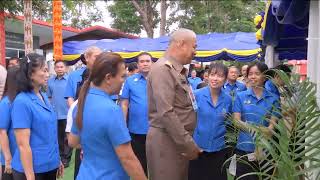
x=3 y=39
x=28 y=37
x=163 y=20
x=146 y=15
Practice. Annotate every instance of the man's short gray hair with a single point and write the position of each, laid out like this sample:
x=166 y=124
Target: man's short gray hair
x=90 y=50
x=182 y=34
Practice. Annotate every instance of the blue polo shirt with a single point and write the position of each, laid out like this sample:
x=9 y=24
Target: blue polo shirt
x=271 y=87
x=29 y=112
x=253 y=111
x=135 y=90
x=210 y=130
x=101 y=133
x=55 y=91
x=233 y=89
x=194 y=82
x=6 y=123
x=74 y=79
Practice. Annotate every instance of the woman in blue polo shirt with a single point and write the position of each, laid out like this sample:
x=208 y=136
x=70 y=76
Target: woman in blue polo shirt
x=100 y=127
x=7 y=140
x=35 y=124
x=253 y=107
x=214 y=105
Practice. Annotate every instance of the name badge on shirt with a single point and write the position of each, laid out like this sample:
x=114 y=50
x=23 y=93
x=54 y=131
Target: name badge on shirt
x=193 y=99
x=251 y=157
x=247 y=102
x=224 y=112
x=136 y=79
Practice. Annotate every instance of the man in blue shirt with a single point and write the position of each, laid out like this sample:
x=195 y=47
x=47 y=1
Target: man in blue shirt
x=55 y=86
x=194 y=80
x=75 y=77
x=232 y=86
x=135 y=104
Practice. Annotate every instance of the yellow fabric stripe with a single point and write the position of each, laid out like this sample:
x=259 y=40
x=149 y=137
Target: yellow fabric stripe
x=263 y=25
x=159 y=54
x=208 y=53
x=70 y=57
x=244 y=52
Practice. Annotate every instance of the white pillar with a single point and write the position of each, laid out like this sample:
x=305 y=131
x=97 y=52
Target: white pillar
x=313 y=63
x=269 y=56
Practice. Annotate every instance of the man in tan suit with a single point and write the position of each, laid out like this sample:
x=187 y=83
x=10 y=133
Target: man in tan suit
x=3 y=76
x=172 y=111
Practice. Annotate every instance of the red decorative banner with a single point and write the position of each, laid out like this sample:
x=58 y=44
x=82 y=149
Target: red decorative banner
x=2 y=39
x=28 y=38
x=57 y=29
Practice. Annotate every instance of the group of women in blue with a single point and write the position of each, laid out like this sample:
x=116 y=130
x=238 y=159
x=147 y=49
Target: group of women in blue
x=34 y=152
x=28 y=113
x=215 y=106
x=106 y=141
x=7 y=139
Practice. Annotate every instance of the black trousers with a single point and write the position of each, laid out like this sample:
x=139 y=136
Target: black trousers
x=244 y=166
x=5 y=176
x=231 y=143
x=51 y=175
x=77 y=163
x=138 y=144
x=64 y=149
x=209 y=166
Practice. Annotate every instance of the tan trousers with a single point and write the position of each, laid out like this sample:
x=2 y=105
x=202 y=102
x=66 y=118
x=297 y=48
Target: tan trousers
x=164 y=160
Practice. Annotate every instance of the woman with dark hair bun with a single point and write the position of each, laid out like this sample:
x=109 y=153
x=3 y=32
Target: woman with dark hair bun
x=7 y=139
x=35 y=124
x=254 y=106
x=272 y=85
x=100 y=128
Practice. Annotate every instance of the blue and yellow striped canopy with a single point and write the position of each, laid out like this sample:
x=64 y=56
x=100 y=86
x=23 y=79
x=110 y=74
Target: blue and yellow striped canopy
x=237 y=46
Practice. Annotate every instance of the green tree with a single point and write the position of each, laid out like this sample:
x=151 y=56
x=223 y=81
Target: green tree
x=131 y=15
x=216 y=16
x=125 y=17
x=201 y=16
x=81 y=13
x=73 y=11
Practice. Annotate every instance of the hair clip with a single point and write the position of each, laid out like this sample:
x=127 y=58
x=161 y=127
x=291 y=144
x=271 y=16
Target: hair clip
x=28 y=60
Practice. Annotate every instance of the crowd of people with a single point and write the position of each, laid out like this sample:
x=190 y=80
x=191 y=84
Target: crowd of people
x=142 y=120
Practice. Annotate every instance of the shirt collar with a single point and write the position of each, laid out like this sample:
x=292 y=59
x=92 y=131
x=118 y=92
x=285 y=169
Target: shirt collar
x=235 y=84
x=140 y=76
x=176 y=65
x=96 y=91
x=63 y=77
x=45 y=103
x=207 y=93
x=265 y=94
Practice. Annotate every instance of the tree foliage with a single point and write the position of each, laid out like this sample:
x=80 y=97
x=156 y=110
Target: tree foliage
x=73 y=11
x=132 y=16
x=200 y=16
x=125 y=17
x=216 y=16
